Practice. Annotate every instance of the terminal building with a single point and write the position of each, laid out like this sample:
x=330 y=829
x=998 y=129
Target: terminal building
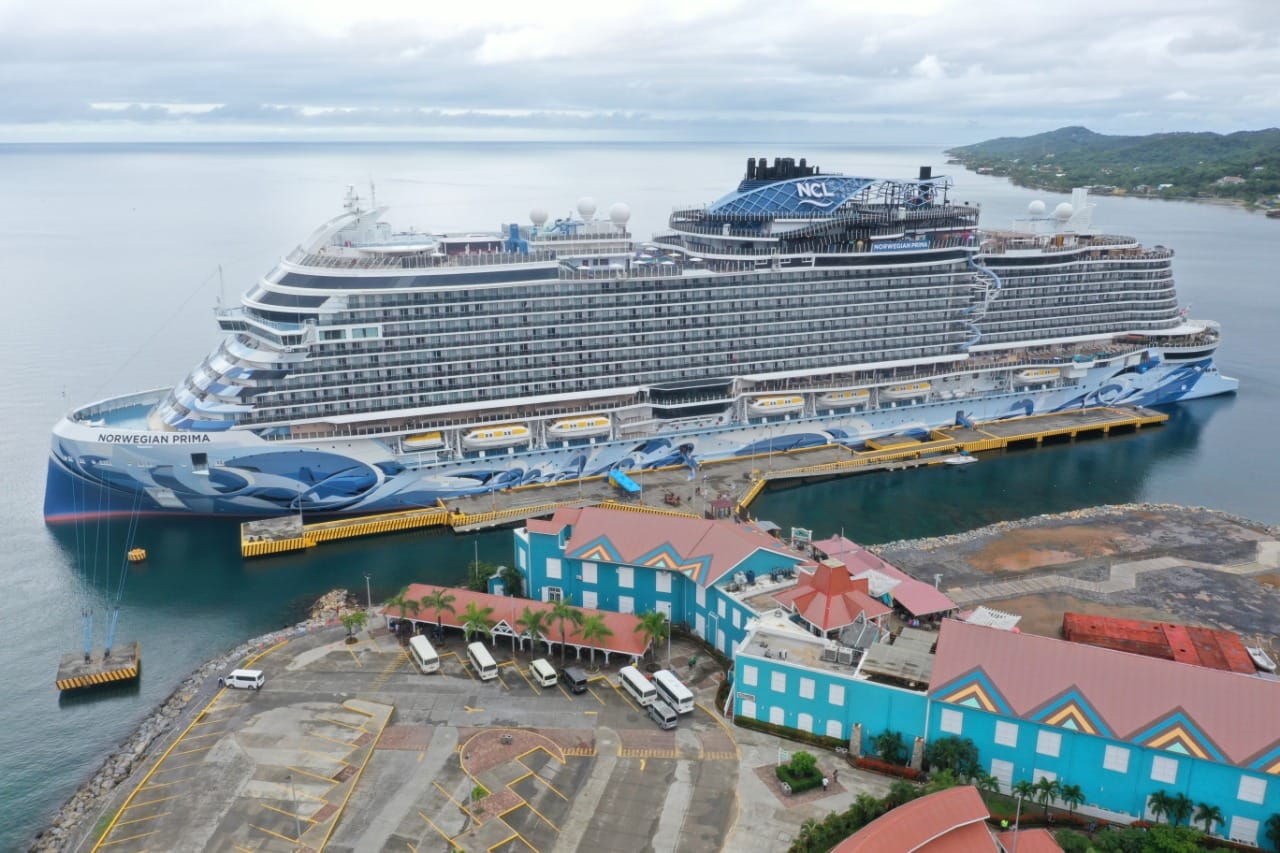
x=1120 y=725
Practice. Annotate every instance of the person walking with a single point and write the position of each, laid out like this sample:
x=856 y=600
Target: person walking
x=824 y=783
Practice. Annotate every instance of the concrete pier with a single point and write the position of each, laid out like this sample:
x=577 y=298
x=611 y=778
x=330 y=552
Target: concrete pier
x=76 y=672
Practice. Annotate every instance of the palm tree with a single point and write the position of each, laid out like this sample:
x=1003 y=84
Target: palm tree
x=513 y=580
x=535 y=624
x=439 y=601
x=1180 y=808
x=593 y=629
x=404 y=605
x=987 y=782
x=1158 y=804
x=1024 y=789
x=889 y=746
x=563 y=611
x=1072 y=795
x=655 y=628
x=901 y=791
x=1273 y=831
x=476 y=620
x=1210 y=815
x=1046 y=790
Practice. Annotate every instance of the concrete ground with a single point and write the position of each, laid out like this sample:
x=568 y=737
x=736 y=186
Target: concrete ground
x=350 y=748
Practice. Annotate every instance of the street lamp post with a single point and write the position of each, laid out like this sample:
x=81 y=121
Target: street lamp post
x=1017 y=820
x=368 y=591
x=293 y=796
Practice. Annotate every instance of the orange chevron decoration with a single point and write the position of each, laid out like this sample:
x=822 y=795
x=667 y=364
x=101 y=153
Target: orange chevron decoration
x=1177 y=733
x=973 y=690
x=665 y=557
x=599 y=550
x=1070 y=710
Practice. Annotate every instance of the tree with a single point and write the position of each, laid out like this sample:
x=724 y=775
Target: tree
x=563 y=611
x=439 y=601
x=901 y=791
x=594 y=629
x=535 y=624
x=477 y=620
x=987 y=782
x=957 y=754
x=1046 y=790
x=1210 y=815
x=803 y=764
x=1180 y=808
x=478 y=574
x=1072 y=795
x=1272 y=830
x=512 y=580
x=941 y=781
x=654 y=627
x=354 y=621
x=1024 y=789
x=890 y=746
x=1158 y=804
x=405 y=606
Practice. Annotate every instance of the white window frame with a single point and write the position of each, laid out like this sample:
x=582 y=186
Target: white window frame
x=1006 y=733
x=552 y=593
x=590 y=599
x=1049 y=743
x=835 y=694
x=589 y=573
x=663 y=581
x=804 y=722
x=1164 y=770
x=737 y=618
x=1243 y=829
x=750 y=675
x=778 y=682
x=807 y=687
x=1003 y=771
x=1116 y=759
x=700 y=596
x=777 y=716
x=1252 y=789
x=951 y=721
x=1037 y=774
x=626 y=604
x=626 y=577
x=835 y=729
x=554 y=568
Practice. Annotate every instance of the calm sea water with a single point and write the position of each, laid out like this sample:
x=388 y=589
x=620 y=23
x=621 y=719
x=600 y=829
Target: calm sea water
x=112 y=272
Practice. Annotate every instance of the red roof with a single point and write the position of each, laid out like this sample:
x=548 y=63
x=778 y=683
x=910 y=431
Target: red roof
x=704 y=549
x=830 y=598
x=949 y=821
x=625 y=639
x=1030 y=841
x=918 y=597
x=1183 y=643
x=1126 y=696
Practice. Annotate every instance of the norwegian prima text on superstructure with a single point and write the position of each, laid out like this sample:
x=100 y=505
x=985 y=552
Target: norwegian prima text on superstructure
x=374 y=369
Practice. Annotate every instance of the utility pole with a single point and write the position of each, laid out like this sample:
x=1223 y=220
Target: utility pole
x=293 y=795
x=368 y=591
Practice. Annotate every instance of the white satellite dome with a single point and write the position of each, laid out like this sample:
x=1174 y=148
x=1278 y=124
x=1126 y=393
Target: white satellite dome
x=586 y=207
x=619 y=213
x=1063 y=211
x=1036 y=208
x=538 y=216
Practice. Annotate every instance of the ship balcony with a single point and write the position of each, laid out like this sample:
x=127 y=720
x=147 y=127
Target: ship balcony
x=348 y=260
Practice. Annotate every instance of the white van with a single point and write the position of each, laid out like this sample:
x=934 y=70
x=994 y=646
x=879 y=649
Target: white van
x=662 y=714
x=637 y=685
x=482 y=661
x=423 y=653
x=673 y=691
x=542 y=673
x=244 y=679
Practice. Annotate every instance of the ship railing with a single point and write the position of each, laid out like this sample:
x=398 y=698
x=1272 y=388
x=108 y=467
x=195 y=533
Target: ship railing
x=324 y=260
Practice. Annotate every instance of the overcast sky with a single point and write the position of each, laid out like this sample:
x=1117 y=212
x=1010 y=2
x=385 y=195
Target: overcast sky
x=929 y=71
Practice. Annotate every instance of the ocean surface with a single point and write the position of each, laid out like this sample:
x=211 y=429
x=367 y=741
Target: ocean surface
x=116 y=255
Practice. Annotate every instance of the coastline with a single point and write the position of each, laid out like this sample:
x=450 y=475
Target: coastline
x=66 y=829
x=71 y=824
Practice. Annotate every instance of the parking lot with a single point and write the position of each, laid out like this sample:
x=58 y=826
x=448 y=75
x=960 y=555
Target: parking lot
x=350 y=747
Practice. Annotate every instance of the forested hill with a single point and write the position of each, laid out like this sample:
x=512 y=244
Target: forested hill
x=1243 y=165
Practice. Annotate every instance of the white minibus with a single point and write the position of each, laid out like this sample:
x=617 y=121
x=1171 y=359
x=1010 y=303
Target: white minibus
x=423 y=653
x=482 y=661
x=672 y=691
x=542 y=673
x=637 y=685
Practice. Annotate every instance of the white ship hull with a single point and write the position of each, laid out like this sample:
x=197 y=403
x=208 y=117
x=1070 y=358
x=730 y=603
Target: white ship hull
x=96 y=469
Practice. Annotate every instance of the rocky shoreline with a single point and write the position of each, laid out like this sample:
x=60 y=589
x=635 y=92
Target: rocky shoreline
x=89 y=800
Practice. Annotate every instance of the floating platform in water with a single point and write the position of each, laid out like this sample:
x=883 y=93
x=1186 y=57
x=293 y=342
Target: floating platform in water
x=76 y=672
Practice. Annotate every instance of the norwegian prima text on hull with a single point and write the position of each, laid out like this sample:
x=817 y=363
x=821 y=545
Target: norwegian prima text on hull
x=374 y=369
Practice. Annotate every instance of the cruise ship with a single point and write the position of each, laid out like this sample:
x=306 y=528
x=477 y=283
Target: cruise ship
x=375 y=369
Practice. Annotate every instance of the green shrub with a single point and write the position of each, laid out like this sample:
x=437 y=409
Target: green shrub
x=790 y=734
x=797 y=781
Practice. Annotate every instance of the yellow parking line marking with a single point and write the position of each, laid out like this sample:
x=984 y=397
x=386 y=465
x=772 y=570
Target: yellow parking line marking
x=141 y=819
x=244 y=849
x=736 y=749
x=593 y=693
x=348 y=744
x=642 y=762
x=123 y=840
x=565 y=692
x=542 y=816
x=464 y=809
x=355 y=657
x=624 y=697
x=276 y=834
x=591 y=713
x=150 y=802
x=471 y=710
x=289 y=814
x=340 y=723
x=194 y=749
x=513 y=835
x=421 y=755
x=322 y=755
x=162 y=784
x=432 y=824
x=553 y=790
x=180 y=767
x=523 y=675
x=312 y=775
x=198 y=737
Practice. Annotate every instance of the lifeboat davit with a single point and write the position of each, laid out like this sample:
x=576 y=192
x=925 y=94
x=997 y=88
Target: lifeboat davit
x=908 y=391
x=775 y=405
x=580 y=427
x=423 y=441
x=1036 y=375
x=496 y=436
x=845 y=398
